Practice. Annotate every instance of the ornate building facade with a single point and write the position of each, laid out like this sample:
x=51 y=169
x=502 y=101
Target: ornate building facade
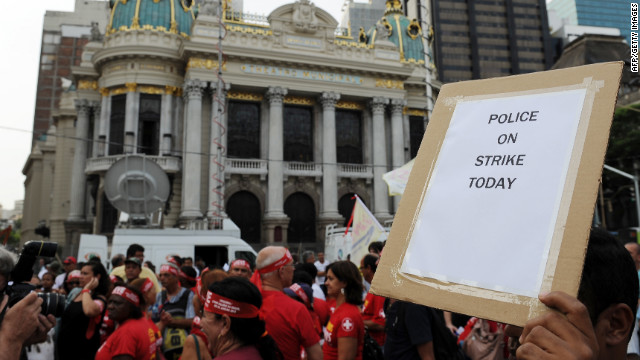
x=278 y=133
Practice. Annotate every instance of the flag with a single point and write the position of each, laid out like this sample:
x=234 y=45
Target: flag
x=397 y=179
x=365 y=230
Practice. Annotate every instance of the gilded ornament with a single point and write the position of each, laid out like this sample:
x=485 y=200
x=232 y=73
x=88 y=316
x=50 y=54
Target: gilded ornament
x=154 y=90
x=246 y=30
x=353 y=44
x=389 y=84
x=298 y=100
x=414 y=112
x=246 y=96
x=131 y=87
x=200 y=63
x=350 y=105
x=414 y=30
x=87 y=85
x=119 y=91
x=104 y=91
x=135 y=24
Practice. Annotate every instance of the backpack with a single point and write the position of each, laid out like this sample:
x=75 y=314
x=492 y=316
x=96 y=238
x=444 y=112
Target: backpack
x=174 y=338
x=371 y=350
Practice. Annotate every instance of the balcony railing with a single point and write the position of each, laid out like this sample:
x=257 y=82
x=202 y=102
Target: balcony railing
x=100 y=165
x=246 y=167
x=355 y=171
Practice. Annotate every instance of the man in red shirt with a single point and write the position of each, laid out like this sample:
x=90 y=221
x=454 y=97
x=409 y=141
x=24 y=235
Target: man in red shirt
x=373 y=309
x=287 y=320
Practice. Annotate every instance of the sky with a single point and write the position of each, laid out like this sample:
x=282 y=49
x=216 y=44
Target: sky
x=19 y=73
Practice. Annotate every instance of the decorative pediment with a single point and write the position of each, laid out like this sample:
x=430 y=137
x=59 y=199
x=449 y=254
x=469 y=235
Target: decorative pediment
x=302 y=17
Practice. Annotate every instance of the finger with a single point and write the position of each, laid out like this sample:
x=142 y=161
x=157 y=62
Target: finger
x=545 y=339
x=556 y=323
x=531 y=351
x=575 y=311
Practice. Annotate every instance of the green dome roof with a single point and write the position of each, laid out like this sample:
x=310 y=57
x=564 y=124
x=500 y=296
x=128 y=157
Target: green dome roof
x=174 y=16
x=404 y=33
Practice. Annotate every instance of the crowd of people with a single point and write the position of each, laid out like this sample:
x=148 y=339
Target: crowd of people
x=282 y=308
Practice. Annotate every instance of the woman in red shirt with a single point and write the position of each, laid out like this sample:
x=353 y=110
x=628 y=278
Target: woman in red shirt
x=344 y=334
x=135 y=338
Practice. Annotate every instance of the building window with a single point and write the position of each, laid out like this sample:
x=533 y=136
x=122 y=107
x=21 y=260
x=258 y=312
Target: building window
x=149 y=124
x=349 y=136
x=345 y=206
x=109 y=216
x=243 y=209
x=243 y=139
x=298 y=134
x=416 y=132
x=116 y=124
x=302 y=227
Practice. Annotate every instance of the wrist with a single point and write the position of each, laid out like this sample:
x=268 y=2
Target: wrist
x=85 y=291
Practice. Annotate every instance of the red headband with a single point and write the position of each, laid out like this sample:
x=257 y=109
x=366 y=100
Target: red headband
x=221 y=305
x=171 y=269
x=301 y=294
x=127 y=294
x=241 y=262
x=148 y=284
x=278 y=264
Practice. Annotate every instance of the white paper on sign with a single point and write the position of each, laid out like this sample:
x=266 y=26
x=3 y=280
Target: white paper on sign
x=489 y=211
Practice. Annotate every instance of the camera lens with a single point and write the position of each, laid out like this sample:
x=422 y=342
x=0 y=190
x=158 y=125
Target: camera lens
x=52 y=303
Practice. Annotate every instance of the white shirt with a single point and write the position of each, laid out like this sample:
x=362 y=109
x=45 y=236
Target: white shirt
x=59 y=281
x=321 y=267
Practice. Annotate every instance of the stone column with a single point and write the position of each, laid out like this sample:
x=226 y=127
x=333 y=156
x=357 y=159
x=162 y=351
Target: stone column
x=105 y=115
x=380 y=192
x=131 y=118
x=166 y=120
x=78 y=178
x=397 y=139
x=275 y=187
x=96 y=129
x=329 y=159
x=275 y=219
x=191 y=169
x=215 y=211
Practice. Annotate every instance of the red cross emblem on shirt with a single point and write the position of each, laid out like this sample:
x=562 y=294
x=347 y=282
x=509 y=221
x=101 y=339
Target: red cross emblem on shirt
x=347 y=324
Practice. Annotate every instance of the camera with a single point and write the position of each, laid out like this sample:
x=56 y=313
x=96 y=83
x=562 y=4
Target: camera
x=23 y=271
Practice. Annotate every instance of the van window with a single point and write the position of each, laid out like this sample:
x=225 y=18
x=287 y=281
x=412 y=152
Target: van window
x=246 y=255
x=213 y=256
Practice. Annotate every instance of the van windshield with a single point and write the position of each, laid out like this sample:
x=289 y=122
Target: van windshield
x=213 y=256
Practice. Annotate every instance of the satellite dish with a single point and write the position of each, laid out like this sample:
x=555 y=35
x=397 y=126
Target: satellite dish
x=137 y=186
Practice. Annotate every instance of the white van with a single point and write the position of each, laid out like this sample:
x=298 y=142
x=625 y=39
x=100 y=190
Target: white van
x=215 y=247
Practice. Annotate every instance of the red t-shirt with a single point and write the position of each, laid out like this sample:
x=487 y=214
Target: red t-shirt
x=322 y=309
x=346 y=321
x=331 y=303
x=374 y=310
x=134 y=337
x=288 y=322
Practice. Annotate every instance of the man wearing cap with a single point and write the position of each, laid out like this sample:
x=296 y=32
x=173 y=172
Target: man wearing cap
x=240 y=267
x=132 y=269
x=287 y=320
x=135 y=250
x=69 y=264
x=173 y=311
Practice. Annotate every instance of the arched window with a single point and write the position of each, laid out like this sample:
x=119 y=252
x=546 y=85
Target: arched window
x=300 y=209
x=345 y=206
x=243 y=209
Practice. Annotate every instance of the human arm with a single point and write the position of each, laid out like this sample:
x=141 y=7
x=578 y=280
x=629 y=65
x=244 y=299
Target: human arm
x=425 y=351
x=45 y=323
x=347 y=348
x=566 y=333
x=449 y=323
x=372 y=325
x=314 y=352
x=91 y=307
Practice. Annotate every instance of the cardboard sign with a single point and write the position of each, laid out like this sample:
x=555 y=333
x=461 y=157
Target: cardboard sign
x=502 y=194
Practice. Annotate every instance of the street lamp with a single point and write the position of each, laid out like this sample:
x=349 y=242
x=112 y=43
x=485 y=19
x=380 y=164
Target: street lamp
x=636 y=170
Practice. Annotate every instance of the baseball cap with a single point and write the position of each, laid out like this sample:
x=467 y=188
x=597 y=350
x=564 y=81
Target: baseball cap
x=70 y=260
x=134 y=260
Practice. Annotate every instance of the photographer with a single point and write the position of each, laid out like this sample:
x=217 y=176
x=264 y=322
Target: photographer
x=22 y=324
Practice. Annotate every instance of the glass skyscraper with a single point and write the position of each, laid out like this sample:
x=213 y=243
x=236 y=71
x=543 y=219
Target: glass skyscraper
x=610 y=13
